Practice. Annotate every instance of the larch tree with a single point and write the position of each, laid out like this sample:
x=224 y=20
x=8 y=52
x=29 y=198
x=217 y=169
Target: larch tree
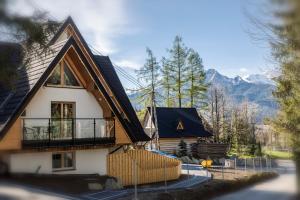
x=149 y=75
x=197 y=87
x=166 y=81
x=178 y=68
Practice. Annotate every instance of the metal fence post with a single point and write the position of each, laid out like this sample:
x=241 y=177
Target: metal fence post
x=253 y=159
x=260 y=162
x=206 y=169
x=267 y=166
x=222 y=171
x=165 y=175
x=235 y=166
x=134 y=169
x=245 y=164
x=188 y=170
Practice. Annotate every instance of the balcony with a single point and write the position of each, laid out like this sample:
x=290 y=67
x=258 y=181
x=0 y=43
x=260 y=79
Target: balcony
x=54 y=132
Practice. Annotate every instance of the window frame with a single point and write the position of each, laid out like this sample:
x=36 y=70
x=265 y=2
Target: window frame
x=62 y=168
x=62 y=77
x=62 y=103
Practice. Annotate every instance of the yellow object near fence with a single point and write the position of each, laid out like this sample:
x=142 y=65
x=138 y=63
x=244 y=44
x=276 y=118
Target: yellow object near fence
x=151 y=167
x=206 y=163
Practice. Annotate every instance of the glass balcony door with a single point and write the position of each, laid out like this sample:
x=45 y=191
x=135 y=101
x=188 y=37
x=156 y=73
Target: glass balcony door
x=62 y=114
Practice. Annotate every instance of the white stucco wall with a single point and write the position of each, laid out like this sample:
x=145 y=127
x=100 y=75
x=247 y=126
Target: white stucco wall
x=86 y=104
x=86 y=162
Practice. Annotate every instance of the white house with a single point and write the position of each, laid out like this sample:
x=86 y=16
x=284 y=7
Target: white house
x=67 y=112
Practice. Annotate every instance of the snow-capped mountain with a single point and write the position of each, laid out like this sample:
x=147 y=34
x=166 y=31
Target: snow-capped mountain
x=256 y=89
x=259 y=79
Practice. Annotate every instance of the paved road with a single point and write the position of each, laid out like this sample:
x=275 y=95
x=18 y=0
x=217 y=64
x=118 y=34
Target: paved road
x=9 y=191
x=197 y=176
x=281 y=188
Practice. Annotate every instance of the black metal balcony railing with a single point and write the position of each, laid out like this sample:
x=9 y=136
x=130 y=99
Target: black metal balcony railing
x=54 y=132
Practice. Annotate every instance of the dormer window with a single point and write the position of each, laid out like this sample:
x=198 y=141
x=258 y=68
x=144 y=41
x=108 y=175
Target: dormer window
x=180 y=126
x=63 y=76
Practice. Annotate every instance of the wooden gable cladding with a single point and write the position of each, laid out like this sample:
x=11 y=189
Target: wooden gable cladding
x=88 y=83
x=12 y=140
x=85 y=78
x=78 y=67
x=71 y=32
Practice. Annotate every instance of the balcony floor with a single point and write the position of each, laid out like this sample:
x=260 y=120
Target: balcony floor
x=67 y=142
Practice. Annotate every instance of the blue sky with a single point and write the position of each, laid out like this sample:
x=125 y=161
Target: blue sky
x=122 y=29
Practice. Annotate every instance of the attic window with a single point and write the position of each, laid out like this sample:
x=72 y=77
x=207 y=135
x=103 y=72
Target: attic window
x=63 y=76
x=180 y=126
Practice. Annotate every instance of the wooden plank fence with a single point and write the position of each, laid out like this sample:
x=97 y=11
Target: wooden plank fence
x=150 y=167
x=213 y=150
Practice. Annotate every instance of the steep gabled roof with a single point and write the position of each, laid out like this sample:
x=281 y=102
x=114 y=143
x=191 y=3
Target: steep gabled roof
x=168 y=120
x=28 y=79
x=40 y=67
x=133 y=126
x=111 y=77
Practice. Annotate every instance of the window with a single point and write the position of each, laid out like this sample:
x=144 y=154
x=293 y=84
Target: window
x=63 y=76
x=62 y=161
x=62 y=114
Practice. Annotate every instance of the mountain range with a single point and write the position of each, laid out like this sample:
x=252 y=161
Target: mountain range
x=256 y=89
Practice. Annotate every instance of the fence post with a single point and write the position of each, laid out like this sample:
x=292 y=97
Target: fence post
x=235 y=166
x=260 y=162
x=267 y=166
x=206 y=168
x=165 y=175
x=134 y=168
x=245 y=164
x=253 y=159
x=188 y=169
x=222 y=171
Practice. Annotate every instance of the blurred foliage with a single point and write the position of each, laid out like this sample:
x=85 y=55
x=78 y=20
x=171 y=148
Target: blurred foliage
x=31 y=32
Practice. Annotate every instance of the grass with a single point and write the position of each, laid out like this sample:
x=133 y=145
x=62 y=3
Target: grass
x=272 y=154
x=279 y=154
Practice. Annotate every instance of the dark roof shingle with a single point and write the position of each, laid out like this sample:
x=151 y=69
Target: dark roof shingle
x=11 y=99
x=169 y=118
x=107 y=70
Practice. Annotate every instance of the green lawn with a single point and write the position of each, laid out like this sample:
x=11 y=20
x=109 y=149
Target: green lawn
x=279 y=154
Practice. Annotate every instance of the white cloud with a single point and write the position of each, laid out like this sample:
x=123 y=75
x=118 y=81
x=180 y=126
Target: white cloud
x=100 y=21
x=128 y=64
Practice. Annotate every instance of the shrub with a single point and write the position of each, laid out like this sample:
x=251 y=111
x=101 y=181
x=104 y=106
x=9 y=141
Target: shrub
x=182 y=150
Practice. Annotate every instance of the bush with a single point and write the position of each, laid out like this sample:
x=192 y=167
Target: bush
x=258 y=151
x=182 y=151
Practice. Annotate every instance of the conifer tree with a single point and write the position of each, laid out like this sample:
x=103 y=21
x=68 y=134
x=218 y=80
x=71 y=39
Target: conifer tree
x=178 y=67
x=149 y=74
x=182 y=151
x=286 y=50
x=166 y=82
x=197 y=87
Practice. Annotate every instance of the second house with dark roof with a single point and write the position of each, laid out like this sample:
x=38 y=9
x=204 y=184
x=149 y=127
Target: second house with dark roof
x=173 y=125
x=67 y=111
